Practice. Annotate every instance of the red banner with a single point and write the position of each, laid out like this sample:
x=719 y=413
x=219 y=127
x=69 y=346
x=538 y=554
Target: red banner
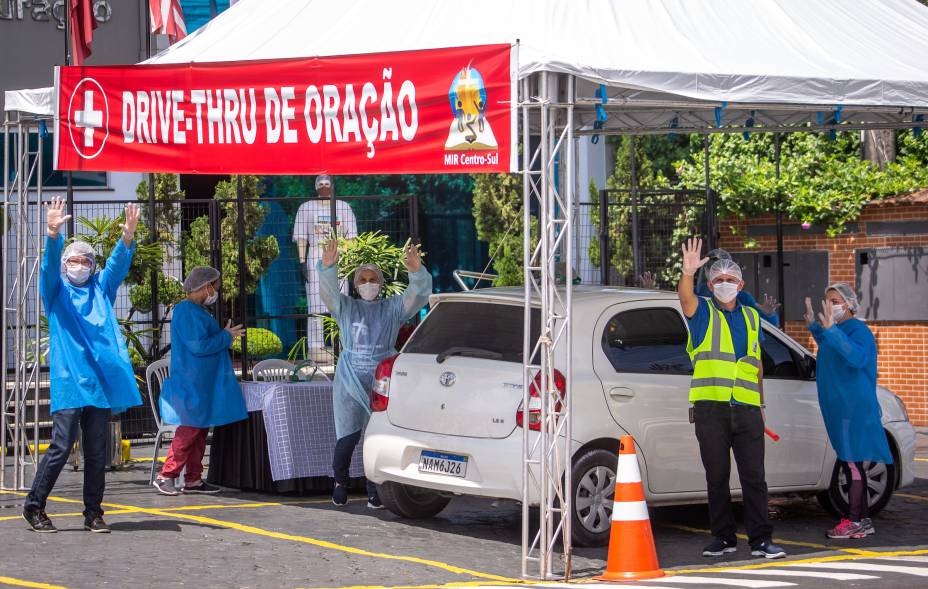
x=432 y=111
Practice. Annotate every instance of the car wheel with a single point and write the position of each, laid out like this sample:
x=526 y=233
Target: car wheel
x=411 y=502
x=881 y=480
x=593 y=492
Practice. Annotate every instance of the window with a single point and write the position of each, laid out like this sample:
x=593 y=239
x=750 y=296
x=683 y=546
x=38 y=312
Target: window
x=52 y=178
x=779 y=360
x=487 y=327
x=647 y=340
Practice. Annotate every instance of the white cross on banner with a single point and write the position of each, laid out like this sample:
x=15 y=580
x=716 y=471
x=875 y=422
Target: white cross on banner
x=88 y=119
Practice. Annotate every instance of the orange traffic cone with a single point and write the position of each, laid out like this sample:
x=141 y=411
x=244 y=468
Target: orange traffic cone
x=631 y=543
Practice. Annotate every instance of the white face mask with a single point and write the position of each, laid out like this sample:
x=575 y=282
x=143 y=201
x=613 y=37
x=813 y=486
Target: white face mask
x=725 y=292
x=837 y=312
x=369 y=290
x=210 y=299
x=78 y=275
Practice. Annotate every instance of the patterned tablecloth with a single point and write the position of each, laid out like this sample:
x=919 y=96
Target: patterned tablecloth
x=300 y=427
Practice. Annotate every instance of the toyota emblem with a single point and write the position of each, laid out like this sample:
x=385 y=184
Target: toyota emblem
x=447 y=379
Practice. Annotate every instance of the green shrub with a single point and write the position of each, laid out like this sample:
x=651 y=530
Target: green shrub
x=261 y=343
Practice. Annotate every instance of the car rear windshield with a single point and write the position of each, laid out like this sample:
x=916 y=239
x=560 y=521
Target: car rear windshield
x=486 y=326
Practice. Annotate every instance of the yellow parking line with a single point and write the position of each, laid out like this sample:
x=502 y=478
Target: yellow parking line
x=22 y=583
x=294 y=538
x=160 y=459
x=245 y=505
x=776 y=540
x=910 y=496
x=922 y=459
x=782 y=563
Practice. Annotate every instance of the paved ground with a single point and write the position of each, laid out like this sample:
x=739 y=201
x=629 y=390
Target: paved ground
x=246 y=540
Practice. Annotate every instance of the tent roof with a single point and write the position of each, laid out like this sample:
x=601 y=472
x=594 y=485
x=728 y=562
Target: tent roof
x=823 y=52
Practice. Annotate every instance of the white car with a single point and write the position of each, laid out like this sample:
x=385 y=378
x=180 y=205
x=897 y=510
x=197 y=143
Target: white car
x=447 y=417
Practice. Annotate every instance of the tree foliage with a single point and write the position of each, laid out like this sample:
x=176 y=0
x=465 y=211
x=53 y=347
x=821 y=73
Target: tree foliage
x=498 y=218
x=259 y=251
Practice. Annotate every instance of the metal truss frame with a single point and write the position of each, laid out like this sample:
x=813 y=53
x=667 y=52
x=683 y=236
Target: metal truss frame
x=19 y=321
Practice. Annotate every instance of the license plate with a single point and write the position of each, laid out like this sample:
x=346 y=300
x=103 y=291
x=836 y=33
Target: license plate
x=434 y=462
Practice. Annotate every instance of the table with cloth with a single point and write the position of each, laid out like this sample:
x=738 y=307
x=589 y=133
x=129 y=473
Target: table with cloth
x=285 y=445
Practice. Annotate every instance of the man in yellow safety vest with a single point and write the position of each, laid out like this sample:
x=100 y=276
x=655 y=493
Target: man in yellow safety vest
x=727 y=394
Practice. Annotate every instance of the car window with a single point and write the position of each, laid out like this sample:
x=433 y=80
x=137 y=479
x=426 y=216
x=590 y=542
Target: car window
x=647 y=340
x=779 y=360
x=489 y=327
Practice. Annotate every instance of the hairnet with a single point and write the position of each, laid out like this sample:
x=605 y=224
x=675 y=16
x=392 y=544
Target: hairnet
x=324 y=178
x=79 y=249
x=199 y=277
x=850 y=297
x=724 y=266
x=362 y=267
x=719 y=254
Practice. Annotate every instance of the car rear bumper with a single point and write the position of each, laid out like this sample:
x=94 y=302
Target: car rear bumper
x=494 y=466
x=904 y=435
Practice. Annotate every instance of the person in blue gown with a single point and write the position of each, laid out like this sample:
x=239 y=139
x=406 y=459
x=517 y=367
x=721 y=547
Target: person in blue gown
x=202 y=390
x=367 y=330
x=846 y=379
x=90 y=373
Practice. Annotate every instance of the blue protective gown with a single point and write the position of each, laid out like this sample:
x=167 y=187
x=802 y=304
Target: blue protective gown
x=368 y=331
x=846 y=377
x=202 y=390
x=88 y=358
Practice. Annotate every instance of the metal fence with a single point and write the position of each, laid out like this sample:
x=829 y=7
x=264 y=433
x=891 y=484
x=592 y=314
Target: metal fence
x=630 y=232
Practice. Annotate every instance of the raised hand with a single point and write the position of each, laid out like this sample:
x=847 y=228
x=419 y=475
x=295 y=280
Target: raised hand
x=825 y=317
x=330 y=252
x=55 y=215
x=692 y=260
x=413 y=258
x=810 y=314
x=132 y=221
x=770 y=305
x=234 y=330
x=647 y=280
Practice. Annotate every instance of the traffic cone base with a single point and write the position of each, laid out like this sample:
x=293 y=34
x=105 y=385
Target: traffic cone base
x=632 y=554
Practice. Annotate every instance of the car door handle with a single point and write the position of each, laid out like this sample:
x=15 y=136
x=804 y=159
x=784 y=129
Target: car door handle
x=621 y=392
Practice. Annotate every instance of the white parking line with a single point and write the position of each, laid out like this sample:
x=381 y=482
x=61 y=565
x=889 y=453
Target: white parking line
x=907 y=558
x=751 y=584
x=867 y=567
x=808 y=574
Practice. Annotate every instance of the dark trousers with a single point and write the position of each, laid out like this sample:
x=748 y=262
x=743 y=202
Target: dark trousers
x=858 y=495
x=94 y=423
x=341 y=462
x=721 y=429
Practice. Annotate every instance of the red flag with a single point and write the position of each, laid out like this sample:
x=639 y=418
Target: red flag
x=82 y=25
x=167 y=18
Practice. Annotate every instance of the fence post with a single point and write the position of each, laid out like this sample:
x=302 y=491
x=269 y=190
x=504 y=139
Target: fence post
x=414 y=217
x=153 y=238
x=636 y=245
x=215 y=260
x=242 y=297
x=781 y=284
x=603 y=237
x=711 y=221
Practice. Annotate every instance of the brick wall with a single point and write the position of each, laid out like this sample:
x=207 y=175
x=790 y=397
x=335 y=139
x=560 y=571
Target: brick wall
x=902 y=346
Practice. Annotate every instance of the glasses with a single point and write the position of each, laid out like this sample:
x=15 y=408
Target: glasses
x=78 y=262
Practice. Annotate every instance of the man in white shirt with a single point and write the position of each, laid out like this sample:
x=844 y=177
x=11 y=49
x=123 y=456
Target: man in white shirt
x=311 y=229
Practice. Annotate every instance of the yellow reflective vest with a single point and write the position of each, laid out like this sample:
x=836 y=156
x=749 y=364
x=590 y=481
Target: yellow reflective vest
x=717 y=374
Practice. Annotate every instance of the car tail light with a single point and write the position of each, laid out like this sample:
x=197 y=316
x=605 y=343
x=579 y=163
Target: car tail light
x=534 y=401
x=380 y=392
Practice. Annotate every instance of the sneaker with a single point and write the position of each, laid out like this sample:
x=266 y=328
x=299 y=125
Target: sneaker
x=164 y=486
x=340 y=495
x=867 y=525
x=96 y=525
x=768 y=549
x=846 y=529
x=201 y=487
x=719 y=547
x=38 y=521
x=374 y=502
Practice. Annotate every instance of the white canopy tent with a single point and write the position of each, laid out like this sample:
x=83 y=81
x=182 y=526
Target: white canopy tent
x=614 y=67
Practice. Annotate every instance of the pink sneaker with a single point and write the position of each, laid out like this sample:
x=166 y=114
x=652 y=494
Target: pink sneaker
x=846 y=529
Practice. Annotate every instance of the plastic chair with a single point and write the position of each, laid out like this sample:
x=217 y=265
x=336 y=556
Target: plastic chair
x=272 y=370
x=158 y=371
